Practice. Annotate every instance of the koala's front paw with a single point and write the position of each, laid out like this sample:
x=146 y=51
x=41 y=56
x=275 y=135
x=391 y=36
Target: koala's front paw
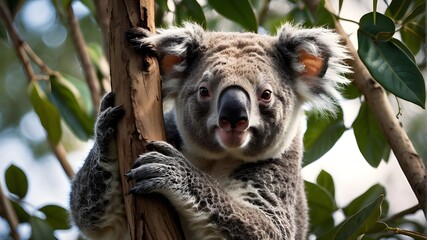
x=136 y=37
x=105 y=125
x=163 y=170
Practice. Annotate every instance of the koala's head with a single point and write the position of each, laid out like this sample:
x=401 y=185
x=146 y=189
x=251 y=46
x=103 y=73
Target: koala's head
x=240 y=94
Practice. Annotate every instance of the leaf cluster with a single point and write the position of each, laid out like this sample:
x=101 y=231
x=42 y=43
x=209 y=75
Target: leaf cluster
x=43 y=220
x=365 y=217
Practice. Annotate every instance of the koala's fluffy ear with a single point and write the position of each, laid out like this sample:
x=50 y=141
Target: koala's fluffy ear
x=175 y=48
x=317 y=59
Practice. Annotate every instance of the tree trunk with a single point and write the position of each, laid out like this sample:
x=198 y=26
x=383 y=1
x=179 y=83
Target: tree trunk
x=150 y=217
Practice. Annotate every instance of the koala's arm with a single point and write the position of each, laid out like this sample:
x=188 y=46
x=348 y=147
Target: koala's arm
x=96 y=199
x=257 y=202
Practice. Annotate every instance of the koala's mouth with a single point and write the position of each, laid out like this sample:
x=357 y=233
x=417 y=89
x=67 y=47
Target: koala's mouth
x=232 y=138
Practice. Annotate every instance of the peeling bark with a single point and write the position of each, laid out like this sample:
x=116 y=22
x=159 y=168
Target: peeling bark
x=150 y=217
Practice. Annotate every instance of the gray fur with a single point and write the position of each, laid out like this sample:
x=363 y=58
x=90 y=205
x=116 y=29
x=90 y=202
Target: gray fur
x=250 y=191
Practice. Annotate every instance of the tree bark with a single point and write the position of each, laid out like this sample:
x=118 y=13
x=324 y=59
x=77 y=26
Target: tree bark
x=103 y=12
x=150 y=217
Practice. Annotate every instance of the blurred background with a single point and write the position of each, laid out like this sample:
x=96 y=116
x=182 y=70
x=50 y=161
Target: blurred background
x=23 y=138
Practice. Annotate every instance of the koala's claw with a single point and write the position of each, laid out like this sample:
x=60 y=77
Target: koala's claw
x=107 y=101
x=135 y=37
x=148 y=186
x=109 y=117
x=128 y=176
x=105 y=127
x=160 y=170
x=163 y=148
x=151 y=177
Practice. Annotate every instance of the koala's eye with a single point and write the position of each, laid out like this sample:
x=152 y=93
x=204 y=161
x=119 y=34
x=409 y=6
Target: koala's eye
x=266 y=95
x=203 y=92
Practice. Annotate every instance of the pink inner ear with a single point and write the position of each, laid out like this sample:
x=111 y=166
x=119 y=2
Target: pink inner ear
x=168 y=62
x=313 y=65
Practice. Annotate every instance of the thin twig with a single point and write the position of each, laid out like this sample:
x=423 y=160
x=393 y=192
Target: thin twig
x=17 y=42
x=60 y=154
x=415 y=235
x=10 y=214
x=88 y=69
x=23 y=51
x=37 y=60
x=403 y=213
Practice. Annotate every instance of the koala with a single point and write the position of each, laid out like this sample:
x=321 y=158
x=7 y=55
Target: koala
x=232 y=169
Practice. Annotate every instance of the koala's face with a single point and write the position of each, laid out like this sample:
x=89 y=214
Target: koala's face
x=236 y=99
x=240 y=94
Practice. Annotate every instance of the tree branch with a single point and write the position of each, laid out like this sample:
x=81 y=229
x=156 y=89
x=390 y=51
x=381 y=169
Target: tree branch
x=61 y=155
x=88 y=69
x=17 y=42
x=23 y=50
x=403 y=213
x=409 y=161
x=10 y=214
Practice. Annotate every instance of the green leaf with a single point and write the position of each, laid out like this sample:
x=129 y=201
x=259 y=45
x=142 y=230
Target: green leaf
x=48 y=114
x=161 y=9
x=381 y=30
x=358 y=224
x=40 y=230
x=340 y=2
x=350 y=91
x=367 y=197
x=387 y=62
x=21 y=213
x=300 y=15
x=3 y=32
x=190 y=10
x=375 y=2
x=321 y=135
x=397 y=9
x=67 y=99
x=325 y=180
x=370 y=139
x=56 y=216
x=239 y=11
x=83 y=90
x=16 y=181
x=414 y=35
x=321 y=205
x=323 y=16
x=391 y=67
x=418 y=12
x=90 y=5
x=378 y=227
x=361 y=222
x=95 y=52
x=66 y=3
x=404 y=49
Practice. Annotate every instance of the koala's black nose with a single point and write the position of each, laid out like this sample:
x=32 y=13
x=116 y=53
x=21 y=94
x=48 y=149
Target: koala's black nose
x=233 y=109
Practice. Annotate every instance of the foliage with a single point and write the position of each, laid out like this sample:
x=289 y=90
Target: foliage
x=43 y=220
x=62 y=97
